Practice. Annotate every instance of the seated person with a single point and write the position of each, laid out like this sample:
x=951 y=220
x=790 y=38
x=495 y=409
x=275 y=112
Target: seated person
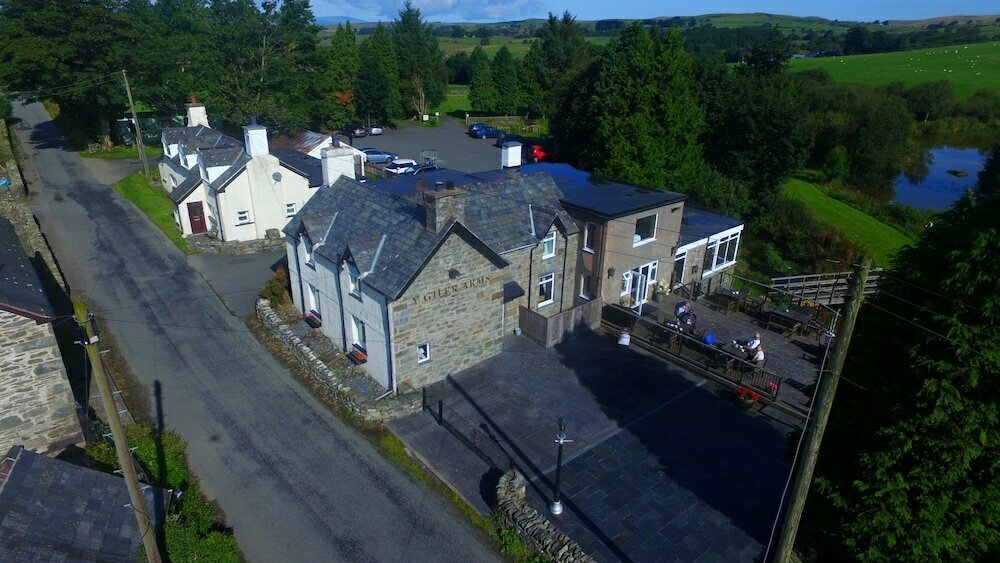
x=756 y=356
x=682 y=308
x=689 y=319
x=754 y=342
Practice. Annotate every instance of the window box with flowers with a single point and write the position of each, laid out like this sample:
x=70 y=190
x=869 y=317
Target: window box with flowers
x=357 y=357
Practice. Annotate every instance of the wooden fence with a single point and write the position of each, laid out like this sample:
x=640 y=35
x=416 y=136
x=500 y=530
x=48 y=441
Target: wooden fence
x=828 y=289
x=549 y=331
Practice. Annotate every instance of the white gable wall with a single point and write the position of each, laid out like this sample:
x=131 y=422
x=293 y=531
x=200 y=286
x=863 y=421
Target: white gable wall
x=181 y=210
x=256 y=190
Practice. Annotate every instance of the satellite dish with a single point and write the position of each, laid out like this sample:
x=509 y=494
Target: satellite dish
x=276 y=176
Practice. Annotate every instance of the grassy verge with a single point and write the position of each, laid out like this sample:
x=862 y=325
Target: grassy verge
x=119 y=152
x=390 y=447
x=192 y=532
x=153 y=201
x=882 y=240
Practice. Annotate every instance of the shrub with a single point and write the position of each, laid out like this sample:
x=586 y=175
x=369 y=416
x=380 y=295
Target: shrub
x=278 y=289
x=6 y=110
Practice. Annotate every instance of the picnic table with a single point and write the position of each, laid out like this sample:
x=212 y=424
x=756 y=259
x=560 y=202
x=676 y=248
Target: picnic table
x=729 y=300
x=792 y=317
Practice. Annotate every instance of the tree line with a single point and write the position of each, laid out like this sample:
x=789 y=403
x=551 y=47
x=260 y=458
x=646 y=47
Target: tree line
x=238 y=57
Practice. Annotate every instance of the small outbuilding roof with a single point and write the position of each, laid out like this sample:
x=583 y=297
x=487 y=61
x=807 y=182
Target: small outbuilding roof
x=21 y=290
x=52 y=510
x=699 y=224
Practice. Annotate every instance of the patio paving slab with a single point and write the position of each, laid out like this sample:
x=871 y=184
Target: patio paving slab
x=665 y=465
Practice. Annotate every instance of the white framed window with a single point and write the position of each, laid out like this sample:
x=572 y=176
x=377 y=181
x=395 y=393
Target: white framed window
x=354 y=282
x=307 y=245
x=549 y=245
x=589 y=236
x=645 y=230
x=314 y=301
x=423 y=353
x=585 y=286
x=242 y=217
x=721 y=253
x=358 y=334
x=546 y=287
x=290 y=209
x=626 y=282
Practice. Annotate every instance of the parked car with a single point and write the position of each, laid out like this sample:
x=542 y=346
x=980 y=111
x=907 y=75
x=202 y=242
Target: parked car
x=488 y=133
x=353 y=131
x=515 y=138
x=538 y=153
x=476 y=127
x=401 y=166
x=374 y=129
x=376 y=156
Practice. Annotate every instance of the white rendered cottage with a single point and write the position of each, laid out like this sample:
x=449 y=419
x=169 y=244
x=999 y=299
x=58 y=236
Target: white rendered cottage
x=239 y=191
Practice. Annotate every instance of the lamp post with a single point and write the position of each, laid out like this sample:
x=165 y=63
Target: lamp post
x=561 y=439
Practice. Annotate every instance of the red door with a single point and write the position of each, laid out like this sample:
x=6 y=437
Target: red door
x=197 y=215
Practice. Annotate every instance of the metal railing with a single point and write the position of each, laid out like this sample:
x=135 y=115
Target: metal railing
x=695 y=353
x=477 y=437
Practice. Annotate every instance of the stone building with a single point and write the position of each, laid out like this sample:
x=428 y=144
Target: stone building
x=423 y=275
x=633 y=238
x=37 y=408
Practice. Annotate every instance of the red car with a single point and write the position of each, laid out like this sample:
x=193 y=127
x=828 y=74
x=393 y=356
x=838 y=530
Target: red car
x=538 y=153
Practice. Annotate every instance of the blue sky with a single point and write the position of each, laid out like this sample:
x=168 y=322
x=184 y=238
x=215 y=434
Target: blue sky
x=498 y=10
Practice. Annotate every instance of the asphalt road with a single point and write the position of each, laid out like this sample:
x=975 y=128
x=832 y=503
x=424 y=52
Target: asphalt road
x=455 y=149
x=296 y=483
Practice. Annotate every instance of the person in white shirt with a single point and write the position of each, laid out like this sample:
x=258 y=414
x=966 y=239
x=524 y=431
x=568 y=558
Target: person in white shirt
x=754 y=342
x=757 y=355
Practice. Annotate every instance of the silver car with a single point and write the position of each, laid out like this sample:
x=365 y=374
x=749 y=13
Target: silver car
x=376 y=156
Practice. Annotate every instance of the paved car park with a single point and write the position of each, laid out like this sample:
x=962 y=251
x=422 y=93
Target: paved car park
x=455 y=149
x=664 y=466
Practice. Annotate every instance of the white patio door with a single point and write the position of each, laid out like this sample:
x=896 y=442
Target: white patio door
x=642 y=278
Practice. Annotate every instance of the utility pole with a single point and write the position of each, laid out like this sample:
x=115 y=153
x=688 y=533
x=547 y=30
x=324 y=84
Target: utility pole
x=118 y=435
x=821 y=413
x=138 y=133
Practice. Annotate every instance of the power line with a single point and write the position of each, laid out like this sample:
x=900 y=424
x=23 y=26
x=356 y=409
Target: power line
x=83 y=84
x=928 y=330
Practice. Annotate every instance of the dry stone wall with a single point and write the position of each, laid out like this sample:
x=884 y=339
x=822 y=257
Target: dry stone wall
x=534 y=529
x=374 y=411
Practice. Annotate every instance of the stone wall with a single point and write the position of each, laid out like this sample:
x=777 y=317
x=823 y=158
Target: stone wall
x=454 y=306
x=534 y=529
x=206 y=243
x=320 y=373
x=37 y=409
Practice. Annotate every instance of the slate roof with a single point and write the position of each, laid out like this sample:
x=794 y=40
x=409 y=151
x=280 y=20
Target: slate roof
x=51 y=510
x=302 y=164
x=185 y=188
x=227 y=156
x=499 y=217
x=698 y=224
x=199 y=137
x=21 y=290
x=603 y=198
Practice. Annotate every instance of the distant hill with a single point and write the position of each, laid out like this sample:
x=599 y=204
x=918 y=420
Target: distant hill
x=334 y=20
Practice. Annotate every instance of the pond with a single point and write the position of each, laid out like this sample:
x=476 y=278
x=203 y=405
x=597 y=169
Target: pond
x=938 y=181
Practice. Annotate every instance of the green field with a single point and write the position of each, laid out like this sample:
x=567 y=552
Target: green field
x=969 y=68
x=517 y=47
x=153 y=201
x=882 y=240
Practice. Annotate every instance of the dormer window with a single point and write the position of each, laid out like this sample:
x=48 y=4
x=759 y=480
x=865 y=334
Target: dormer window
x=549 y=245
x=354 y=276
x=307 y=243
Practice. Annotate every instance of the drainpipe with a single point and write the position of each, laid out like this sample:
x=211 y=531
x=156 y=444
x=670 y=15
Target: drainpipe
x=343 y=321
x=390 y=364
x=562 y=291
x=298 y=274
x=531 y=272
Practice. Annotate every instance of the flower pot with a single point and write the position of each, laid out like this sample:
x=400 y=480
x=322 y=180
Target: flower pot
x=658 y=296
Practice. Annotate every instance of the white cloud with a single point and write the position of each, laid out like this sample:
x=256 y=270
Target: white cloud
x=432 y=10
